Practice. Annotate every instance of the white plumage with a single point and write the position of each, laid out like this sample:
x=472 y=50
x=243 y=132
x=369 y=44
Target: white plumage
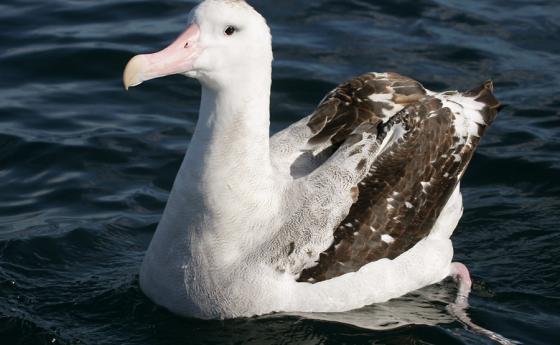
x=248 y=213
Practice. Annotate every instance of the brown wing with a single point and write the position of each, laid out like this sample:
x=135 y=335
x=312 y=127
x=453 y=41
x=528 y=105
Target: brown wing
x=373 y=98
x=410 y=182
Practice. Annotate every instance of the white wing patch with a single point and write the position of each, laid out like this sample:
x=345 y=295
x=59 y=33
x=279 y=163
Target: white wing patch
x=467 y=112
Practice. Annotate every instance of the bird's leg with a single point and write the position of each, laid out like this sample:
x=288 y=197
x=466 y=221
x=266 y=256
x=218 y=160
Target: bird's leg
x=460 y=274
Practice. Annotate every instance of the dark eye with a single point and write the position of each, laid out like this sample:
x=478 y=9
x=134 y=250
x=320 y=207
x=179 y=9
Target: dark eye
x=230 y=30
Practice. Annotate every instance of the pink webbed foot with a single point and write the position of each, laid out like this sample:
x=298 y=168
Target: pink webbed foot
x=460 y=274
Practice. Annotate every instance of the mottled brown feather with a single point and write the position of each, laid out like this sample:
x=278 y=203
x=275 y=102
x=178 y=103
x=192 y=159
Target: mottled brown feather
x=349 y=105
x=394 y=198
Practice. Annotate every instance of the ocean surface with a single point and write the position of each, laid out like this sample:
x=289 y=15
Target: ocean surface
x=86 y=168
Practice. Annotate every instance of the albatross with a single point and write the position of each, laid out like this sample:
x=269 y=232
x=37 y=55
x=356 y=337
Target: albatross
x=352 y=205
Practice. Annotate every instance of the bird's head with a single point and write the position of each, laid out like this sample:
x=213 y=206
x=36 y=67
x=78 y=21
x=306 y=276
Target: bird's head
x=224 y=39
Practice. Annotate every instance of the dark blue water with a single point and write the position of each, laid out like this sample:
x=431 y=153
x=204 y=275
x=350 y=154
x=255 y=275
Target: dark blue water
x=85 y=168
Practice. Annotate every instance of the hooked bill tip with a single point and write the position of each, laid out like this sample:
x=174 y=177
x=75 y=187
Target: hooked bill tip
x=133 y=72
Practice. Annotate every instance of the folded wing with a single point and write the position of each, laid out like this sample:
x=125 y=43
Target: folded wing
x=428 y=140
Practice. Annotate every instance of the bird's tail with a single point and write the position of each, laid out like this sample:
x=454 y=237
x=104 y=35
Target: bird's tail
x=485 y=94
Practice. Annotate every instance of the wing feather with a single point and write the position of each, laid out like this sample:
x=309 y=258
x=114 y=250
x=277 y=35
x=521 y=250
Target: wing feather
x=411 y=181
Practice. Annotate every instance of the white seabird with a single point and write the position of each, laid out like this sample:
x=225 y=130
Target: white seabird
x=352 y=205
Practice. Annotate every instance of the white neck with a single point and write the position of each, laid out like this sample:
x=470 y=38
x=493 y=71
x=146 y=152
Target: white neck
x=228 y=160
x=232 y=133
x=233 y=125
x=226 y=178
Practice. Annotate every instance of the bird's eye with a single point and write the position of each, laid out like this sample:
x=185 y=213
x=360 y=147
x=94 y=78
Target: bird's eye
x=230 y=30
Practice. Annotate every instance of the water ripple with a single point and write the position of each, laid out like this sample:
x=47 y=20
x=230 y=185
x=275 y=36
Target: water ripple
x=86 y=168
